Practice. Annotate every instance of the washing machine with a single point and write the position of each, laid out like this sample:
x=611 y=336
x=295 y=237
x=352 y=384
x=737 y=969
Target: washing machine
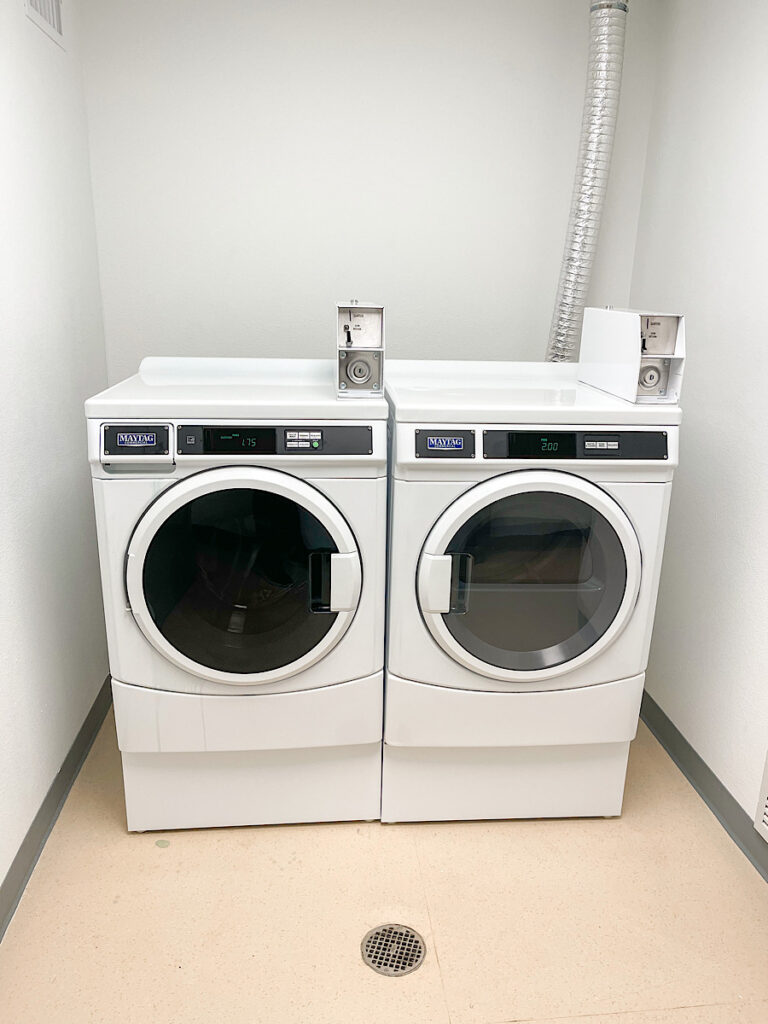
x=241 y=520
x=527 y=525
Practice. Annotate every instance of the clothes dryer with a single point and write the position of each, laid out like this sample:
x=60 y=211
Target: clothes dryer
x=528 y=515
x=241 y=519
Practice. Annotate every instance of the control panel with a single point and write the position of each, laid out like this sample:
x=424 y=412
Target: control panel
x=539 y=445
x=150 y=442
x=234 y=439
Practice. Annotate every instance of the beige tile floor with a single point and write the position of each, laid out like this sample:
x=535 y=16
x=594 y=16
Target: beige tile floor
x=653 y=918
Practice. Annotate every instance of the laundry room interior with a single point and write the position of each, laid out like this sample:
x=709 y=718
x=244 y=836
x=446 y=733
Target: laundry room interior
x=385 y=575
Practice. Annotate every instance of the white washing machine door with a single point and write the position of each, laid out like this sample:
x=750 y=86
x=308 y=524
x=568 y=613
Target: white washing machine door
x=243 y=575
x=529 y=575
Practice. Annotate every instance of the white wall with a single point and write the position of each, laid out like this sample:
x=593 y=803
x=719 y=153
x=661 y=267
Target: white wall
x=701 y=249
x=51 y=339
x=255 y=162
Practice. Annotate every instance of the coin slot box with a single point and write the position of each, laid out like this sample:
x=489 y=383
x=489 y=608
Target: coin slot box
x=360 y=350
x=635 y=355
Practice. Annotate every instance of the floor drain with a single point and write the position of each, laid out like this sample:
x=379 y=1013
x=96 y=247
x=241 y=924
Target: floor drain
x=393 y=950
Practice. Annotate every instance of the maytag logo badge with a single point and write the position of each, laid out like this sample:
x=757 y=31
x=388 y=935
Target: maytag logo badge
x=148 y=440
x=445 y=442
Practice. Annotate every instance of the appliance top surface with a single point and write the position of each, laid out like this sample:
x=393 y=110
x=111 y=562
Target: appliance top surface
x=442 y=391
x=233 y=389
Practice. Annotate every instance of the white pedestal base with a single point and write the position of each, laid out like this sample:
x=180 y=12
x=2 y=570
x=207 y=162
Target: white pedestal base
x=194 y=761
x=252 y=787
x=460 y=754
x=457 y=784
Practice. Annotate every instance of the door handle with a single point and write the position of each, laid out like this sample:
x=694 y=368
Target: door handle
x=319 y=581
x=435 y=589
x=461 y=578
x=334 y=581
x=345 y=582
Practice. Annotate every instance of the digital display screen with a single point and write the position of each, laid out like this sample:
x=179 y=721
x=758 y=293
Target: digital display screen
x=536 y=445
x=240 y=440
x=454 y=443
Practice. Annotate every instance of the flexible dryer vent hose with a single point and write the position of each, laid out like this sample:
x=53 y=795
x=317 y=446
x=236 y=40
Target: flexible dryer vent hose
x=607 y=21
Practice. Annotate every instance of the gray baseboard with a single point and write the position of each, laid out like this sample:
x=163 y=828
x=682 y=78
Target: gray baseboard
x=14 y=883
x=725 y=808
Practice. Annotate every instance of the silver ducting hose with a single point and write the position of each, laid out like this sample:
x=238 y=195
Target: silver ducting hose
x=607 y=22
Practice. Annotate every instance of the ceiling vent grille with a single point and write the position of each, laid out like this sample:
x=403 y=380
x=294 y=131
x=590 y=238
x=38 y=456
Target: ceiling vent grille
x=761 y=818
x=46 y=14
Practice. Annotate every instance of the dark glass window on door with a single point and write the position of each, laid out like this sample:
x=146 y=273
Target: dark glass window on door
x=238 y=580
x=537 y=578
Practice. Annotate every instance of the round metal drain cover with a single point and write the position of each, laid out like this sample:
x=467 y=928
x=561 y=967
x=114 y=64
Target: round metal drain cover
x=393 y=950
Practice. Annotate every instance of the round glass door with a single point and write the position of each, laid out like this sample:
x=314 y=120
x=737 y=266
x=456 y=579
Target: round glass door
x=233 y=580
x=243 y=574
x=538 y=577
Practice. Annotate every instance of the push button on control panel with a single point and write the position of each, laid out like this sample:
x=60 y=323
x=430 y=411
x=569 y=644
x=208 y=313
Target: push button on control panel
x=605 y=445
x=310 y=439
x=601 y=446
x=189 y=440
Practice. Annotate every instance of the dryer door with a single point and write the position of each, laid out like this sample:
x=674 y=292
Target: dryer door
x=243 y=575
x=529 y=575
